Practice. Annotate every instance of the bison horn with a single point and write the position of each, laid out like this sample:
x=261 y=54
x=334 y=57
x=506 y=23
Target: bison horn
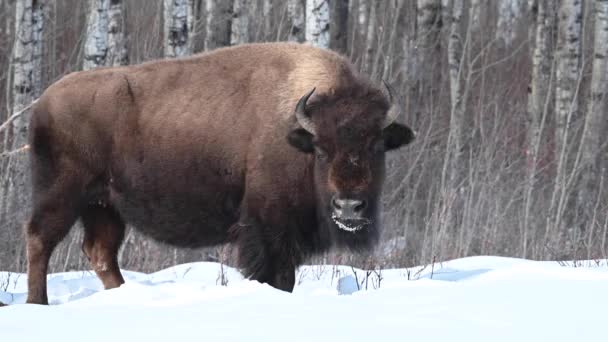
x=303 y=119
x=394 y=110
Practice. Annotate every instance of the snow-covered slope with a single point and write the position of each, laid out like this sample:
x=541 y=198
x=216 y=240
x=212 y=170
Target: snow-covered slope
x=471 y=299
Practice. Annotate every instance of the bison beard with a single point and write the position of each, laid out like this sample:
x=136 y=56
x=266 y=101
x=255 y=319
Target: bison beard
x=277 y=148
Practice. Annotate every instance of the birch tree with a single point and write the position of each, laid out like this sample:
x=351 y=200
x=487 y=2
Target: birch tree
x=408 y=41
x=219 y=23
x=295 y=11
x=105 y=43
x=339 y=26
x=508 y=11
x=428 y=24
x=568 y=77
x=117 y=38
x=266 y=14
x=362 y=16
x=568 y=69
x=240 y=22
x=26 y=87
x=595 y=117
x=475 y=15
x=370 y=39
x=538 y=101
x=455 y=49
x=177 y=28
x=542 y=61
x=317 y=22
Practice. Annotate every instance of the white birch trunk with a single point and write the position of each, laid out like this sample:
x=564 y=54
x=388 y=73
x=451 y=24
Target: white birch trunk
x=27 y=86
x=568 y=68
x=542 y=61
x=339 y=26
x=455 y=72
x=317 y=23
x=508 y=12
x=176 y=28
x=295 y=11
x=219 y=23
x=266 y=13
x=408 y=44
x=568 y=74
x=27 y=62
x=96 y=45
x=428 y=19
x=538 y=100
x=240 y=22
x=105 y=40
x=475 y=15
x=595 y=117
x=117 y=42
x=363 y=14
x=370 y=40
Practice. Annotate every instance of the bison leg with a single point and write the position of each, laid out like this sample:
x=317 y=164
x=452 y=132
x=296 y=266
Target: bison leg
x=50 y=223
x=280 y=277
x=265 y=261
x=104 y=232
x=284 y=278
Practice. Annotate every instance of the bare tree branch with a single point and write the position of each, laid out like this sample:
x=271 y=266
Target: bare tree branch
x=16 y=115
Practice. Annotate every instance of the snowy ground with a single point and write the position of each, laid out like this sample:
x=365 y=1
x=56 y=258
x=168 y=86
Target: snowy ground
x=471 y=299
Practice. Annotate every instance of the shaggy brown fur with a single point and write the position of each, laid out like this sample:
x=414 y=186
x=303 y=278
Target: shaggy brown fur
x=196 y=152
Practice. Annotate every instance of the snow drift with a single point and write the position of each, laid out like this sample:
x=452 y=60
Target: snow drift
x=470 y=299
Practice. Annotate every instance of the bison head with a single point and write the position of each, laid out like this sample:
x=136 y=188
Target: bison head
x=349 y=134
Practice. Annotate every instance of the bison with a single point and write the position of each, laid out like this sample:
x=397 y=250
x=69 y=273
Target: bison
x=278 y=148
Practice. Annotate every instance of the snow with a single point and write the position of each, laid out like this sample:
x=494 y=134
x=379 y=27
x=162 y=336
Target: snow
x=470 y=299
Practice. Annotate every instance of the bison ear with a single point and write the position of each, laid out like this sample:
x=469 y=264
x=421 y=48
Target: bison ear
x=301 y=139
x=397 y=135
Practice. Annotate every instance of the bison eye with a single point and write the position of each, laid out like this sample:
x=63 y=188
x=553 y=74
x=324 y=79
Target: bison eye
x=320 y=153
x=378 y=146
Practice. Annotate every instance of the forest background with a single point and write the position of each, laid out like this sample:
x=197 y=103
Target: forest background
x=508 y=98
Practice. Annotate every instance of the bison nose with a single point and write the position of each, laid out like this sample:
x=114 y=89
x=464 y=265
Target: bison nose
x=348 y=208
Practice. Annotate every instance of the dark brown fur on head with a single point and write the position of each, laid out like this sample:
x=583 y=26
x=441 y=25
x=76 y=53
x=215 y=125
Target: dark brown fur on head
x=349 y=143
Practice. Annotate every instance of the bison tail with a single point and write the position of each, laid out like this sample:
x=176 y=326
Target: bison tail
x=40 y=133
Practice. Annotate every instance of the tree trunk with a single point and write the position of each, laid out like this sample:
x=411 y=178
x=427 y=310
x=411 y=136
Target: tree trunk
x=475 y=15
x=371 y=39
x=27 y=85
x=455 y=49
x=362 y=17
x=117 y=42
x=240 y=22
x=568 y=77
x=105 y=44
x=295 y=10
x=542 y=61
x=339 y=26
x=595 y=118
x=177 y=28
x=428 y=26
x=317 y=22
x=27 y=60
x=508 y=11
x=568 y=69
x=408 y=43
x=538 y=100
x=219 y=22
x=266 y=14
